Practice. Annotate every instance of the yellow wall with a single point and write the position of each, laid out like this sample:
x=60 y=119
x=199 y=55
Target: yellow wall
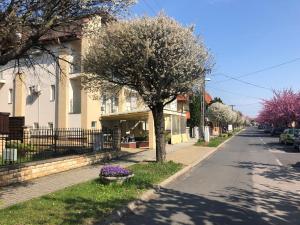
x=179 y=138
x=19 y=95
x=63 y=91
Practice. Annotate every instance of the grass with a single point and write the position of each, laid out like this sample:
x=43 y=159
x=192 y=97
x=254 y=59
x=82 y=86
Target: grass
x=89 y=202
x=215 y=142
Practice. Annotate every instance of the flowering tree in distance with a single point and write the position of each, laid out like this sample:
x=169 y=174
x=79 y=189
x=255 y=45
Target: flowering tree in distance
x=157 y=57
x=223 y=115
x=281 y=110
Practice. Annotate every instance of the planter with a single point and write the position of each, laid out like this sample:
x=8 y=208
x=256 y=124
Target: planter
x=128 y=145
x=117 y=180
x=142 y=144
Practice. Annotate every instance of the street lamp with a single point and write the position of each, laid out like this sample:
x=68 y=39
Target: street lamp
x=202 y=119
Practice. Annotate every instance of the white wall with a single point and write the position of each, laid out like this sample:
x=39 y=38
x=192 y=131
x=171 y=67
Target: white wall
x=8 y=76
x=39 y=109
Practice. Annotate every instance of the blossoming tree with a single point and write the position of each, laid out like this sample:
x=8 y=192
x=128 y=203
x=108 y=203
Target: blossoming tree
x=157 y=57
x=281 y=110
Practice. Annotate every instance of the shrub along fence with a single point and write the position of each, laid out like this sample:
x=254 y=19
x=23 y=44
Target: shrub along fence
x=40 y=144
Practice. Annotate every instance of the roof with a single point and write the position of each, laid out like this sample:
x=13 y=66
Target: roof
x=208 y=98
x=182 y=97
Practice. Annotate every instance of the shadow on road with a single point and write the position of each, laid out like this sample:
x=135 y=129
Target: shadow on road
x=270 y=171
x=276 y=206
x=174 y=207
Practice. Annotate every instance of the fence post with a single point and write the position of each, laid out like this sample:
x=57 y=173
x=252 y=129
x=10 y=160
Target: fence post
x=2 y=143
x=117 y=139
x=26 y=135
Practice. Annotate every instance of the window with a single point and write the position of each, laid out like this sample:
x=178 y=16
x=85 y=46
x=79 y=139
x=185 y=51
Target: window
x=75 y=63
x=52 y=93
x=94 y=124
x=10 y=96
x=75 y=96
x=35 y=125
x=131 y=103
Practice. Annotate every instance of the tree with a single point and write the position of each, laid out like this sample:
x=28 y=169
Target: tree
x=223 y=114
x=195 y=110
x=157 y=57
x=23 y=23
x=281 y=110
x=216 y=99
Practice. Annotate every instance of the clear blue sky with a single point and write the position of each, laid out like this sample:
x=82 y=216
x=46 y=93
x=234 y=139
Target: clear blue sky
x=244 y=36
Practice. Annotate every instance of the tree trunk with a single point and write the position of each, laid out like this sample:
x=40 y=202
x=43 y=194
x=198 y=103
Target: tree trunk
x=159 y=127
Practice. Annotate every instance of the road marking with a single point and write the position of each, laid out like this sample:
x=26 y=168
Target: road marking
x=262 y=140
x=279 y=163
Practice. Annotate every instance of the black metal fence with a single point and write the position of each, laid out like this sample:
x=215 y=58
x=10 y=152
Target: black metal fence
x=39 y=144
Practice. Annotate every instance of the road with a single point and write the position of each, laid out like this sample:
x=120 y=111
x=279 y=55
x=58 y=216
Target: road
x=250 y=181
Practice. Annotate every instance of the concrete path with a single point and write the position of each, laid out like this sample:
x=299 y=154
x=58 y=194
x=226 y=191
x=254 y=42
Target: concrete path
x=184 y=153
x=244 y=182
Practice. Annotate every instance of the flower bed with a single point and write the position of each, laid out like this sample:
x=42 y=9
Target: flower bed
x=117 y=174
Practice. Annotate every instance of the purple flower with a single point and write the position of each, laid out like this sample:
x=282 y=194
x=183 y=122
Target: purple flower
x=114 y=171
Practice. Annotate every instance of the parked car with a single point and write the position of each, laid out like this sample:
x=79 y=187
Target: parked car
x=288 y=136
x=277 y=131
x=297 y=141
x=260 y=126
x=267 y=129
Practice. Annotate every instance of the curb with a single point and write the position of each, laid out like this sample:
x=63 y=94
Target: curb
x=146 y=196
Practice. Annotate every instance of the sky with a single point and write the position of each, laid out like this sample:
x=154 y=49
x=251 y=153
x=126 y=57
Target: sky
x=257 y=39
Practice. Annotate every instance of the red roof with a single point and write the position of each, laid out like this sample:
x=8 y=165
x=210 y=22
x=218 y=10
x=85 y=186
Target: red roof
x=182 y=98
x=208 y=98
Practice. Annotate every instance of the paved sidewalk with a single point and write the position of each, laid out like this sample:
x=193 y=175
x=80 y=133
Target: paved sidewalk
x=184 y=153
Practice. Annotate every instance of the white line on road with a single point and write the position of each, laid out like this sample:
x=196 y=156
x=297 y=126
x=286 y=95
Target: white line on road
x=271 y=150
x=279 y=163
x=262 y=140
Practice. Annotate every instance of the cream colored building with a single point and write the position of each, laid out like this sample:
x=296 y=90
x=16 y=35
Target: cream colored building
x=50 y=95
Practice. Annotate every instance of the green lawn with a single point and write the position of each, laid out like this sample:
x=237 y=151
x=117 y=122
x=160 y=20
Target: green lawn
x=215 y=142
x=87 y=203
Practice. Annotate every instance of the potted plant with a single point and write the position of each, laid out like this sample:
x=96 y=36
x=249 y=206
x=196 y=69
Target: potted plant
x=114 y=174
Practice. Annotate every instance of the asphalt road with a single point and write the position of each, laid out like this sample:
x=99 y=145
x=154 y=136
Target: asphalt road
x=249 y=181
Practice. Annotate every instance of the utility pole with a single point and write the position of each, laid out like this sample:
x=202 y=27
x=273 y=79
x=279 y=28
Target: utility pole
x=232 y=106
x=202 y=115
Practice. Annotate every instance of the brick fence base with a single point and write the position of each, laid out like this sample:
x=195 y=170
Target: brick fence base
x=15 y=174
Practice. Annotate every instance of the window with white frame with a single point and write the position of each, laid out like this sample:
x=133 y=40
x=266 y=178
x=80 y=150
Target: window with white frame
x=52 y=93
x=10 y=96
x=131 y=103
x=109 y=104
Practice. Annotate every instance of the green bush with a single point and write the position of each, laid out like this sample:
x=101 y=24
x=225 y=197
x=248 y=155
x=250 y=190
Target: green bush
x=224 y=135
x=20 y=146
x=168 y=137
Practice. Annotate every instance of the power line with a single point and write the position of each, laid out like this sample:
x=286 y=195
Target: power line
x=234 y=93
x=248 y=83
x=157 y=4
x=261 y=70
x=250 y=104
x=149 y=6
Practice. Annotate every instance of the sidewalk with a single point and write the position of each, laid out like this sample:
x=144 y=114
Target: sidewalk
x=184 y=153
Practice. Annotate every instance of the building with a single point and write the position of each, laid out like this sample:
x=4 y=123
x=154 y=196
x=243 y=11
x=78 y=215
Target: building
x=50 y=95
